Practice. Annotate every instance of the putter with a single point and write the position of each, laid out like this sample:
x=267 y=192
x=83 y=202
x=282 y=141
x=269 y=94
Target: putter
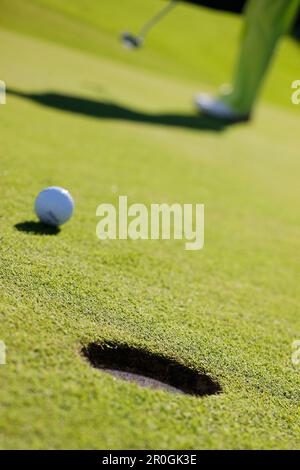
x=130 y=41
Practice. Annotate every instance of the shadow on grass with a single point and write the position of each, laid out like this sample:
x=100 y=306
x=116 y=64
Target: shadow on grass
x=37 y=228
x=110 y=110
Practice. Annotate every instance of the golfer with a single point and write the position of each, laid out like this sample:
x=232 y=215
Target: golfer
x=265 y=22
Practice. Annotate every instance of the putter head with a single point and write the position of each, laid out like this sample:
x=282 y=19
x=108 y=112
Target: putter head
x=130 y=41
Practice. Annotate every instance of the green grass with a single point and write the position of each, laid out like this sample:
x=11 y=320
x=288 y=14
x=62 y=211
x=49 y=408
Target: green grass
x=231 y=309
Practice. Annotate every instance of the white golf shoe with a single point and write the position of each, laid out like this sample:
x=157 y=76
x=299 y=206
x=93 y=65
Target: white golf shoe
x=216 y=108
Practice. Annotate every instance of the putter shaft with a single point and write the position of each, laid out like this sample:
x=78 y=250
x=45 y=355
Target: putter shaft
x=157 y=18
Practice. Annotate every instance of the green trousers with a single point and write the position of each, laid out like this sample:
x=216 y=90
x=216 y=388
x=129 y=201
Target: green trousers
x=265 y=22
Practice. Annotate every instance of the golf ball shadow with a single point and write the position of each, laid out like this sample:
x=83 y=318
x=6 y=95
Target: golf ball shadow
x=37 y=228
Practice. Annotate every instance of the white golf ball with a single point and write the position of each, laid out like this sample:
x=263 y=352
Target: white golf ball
x=54 y=206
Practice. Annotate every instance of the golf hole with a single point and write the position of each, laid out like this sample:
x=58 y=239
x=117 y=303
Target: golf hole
x=149 y=370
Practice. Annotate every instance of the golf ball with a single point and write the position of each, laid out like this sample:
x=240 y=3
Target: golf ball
x=54 y=206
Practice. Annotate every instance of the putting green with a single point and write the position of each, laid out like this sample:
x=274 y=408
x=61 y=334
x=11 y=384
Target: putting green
x=101 y=121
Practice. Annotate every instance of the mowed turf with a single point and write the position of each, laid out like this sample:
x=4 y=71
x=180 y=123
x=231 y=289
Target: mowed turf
x=84 y=114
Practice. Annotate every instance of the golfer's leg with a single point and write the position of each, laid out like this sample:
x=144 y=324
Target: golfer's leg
x=265 y=22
